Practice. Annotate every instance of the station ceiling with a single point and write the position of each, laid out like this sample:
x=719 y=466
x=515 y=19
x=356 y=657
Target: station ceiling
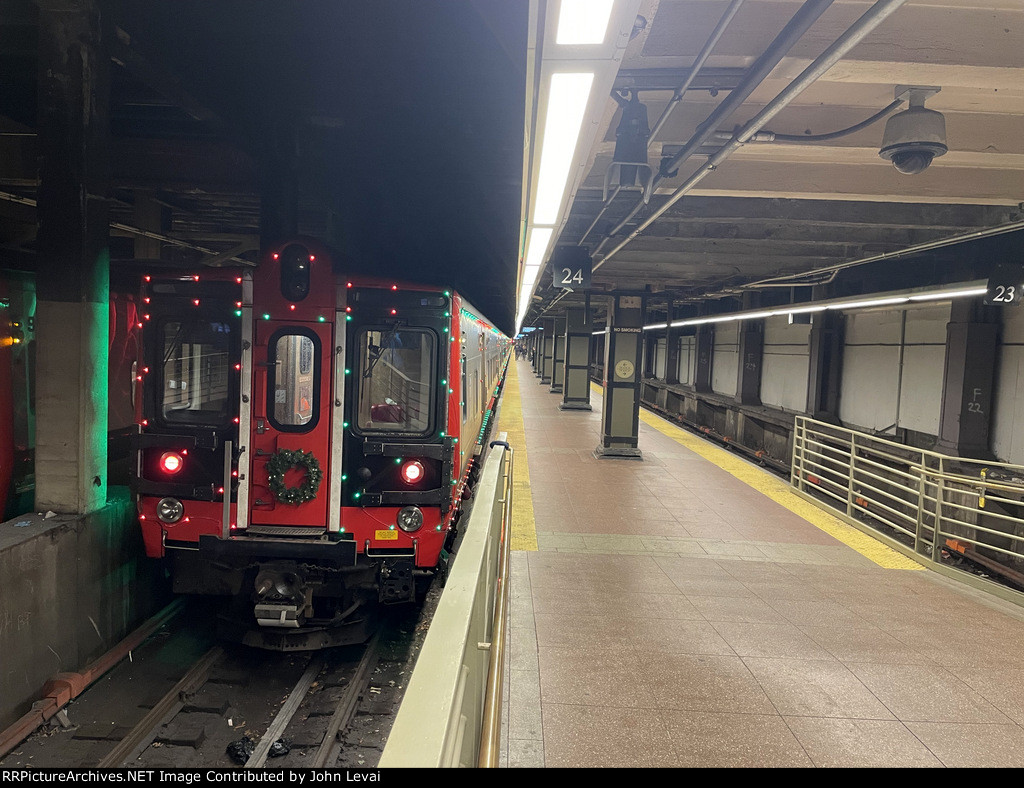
x=403 y=121
x=793 y=206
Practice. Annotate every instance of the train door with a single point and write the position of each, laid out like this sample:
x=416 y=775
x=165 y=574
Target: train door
x=291 y=424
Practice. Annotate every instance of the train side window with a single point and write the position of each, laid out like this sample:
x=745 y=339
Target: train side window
x=195 y=372
x=293 y=382
x=396 y=380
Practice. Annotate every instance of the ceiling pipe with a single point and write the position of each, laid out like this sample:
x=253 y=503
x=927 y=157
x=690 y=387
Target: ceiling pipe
x=800 y=23
x=829 y=272
x=677 y=97
x=873 y=17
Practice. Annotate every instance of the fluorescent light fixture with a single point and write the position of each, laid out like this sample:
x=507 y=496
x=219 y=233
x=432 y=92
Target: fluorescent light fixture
x=803 y=310
x=537 y=246
x=953 y=294
x=885 y=300
x=583 y=21
x=567 y=103
x=870 y=302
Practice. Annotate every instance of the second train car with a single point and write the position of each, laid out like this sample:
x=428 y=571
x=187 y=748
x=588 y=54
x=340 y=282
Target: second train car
x=307 y=438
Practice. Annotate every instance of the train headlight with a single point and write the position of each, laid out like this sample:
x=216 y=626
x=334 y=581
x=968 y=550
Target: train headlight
x=169 y=510
x=410 y=519
x=171 y=462
x=412 y=472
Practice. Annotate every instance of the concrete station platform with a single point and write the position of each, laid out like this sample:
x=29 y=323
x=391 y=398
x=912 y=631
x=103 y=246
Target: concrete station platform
x=687 y=610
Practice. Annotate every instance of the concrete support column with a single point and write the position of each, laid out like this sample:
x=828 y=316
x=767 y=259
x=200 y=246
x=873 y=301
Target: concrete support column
x=671 y=347
x=620 y=412
x=972 y=339
x=748 y=376
x=558 y=356
x=548 y=352
x=705 y=352
x=826 y=363
x=576 y=383
x=537 y=338
x=73 y=273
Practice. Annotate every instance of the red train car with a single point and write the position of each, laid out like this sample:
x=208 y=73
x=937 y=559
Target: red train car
x=306 y=439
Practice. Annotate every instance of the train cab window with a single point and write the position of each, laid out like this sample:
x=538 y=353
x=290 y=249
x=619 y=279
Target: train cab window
x=395 y=383
x=196 y=372
x=293 y=381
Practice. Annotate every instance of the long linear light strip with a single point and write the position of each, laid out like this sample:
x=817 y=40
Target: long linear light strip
x=583 y=22
x=567 y=104
x=935 y=295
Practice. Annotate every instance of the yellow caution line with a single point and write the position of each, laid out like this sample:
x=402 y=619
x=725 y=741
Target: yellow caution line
x=524 y=529
x=780 y=492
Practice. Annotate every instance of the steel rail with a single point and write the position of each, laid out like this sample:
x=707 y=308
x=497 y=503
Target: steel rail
x=490 y=734
x=65 y=687
x=346 y=707
x=285 y=714
x=142 y=735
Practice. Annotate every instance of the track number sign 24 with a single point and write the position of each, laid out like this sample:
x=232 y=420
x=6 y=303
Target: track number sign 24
x=571 y=268
x=1005 y=286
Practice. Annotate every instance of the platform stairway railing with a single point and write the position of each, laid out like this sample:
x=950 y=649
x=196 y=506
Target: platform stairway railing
x=952 y=513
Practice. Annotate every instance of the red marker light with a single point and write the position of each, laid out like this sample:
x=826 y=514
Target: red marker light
x=238 y=280
x=171 y=462
x=195 y=301
x=394 y=287
x=291 y=307
x=276 y=255
x=348 y=284
x=196 y=277
x=394 y=311
x=312 y=258
x=412 y=472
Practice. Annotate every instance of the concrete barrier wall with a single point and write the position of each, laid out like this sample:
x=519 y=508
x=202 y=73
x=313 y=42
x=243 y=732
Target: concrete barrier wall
x=441 y=718
x=70 y=588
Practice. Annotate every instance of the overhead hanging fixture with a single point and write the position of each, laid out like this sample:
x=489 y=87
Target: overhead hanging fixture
x=915 y=136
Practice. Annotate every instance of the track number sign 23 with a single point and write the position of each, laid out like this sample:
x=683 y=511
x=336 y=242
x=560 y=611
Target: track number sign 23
x=1005 y=286
x=571 y=268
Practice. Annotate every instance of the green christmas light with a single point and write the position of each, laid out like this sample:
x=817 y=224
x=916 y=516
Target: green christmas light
x=344 y=477
x=266 y=316
x=238 y=313
x=344 y=424
x=322 y=319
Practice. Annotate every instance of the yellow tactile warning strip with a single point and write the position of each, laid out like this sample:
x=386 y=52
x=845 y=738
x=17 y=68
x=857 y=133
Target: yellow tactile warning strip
x=780 y=492
x=524 y=529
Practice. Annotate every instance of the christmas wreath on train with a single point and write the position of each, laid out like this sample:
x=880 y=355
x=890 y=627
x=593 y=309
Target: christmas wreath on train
x=282 y=461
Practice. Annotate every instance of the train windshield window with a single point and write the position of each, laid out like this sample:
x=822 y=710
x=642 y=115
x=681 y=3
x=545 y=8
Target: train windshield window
x=196 y=367
x=395 y=380
x=293 y=380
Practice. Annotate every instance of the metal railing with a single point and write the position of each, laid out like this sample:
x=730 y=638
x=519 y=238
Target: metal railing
x=932 y=505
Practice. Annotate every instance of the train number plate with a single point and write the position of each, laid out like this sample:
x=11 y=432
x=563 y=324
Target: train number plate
x=386 y=536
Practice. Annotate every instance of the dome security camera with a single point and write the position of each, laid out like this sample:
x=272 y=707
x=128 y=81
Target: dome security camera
x=916 y=135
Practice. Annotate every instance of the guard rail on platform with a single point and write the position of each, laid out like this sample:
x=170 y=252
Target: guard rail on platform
x=933 y=507
x=450 y=715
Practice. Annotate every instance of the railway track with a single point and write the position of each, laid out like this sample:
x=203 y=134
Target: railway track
x=183 y=702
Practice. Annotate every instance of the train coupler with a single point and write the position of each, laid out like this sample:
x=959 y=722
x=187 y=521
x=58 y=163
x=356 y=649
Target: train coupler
x=396 y=583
